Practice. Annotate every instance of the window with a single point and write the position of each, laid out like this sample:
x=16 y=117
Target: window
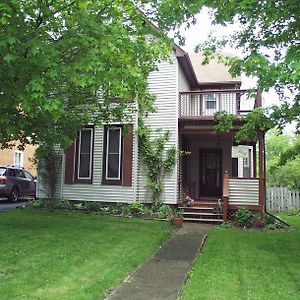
x=113 y=153
x=18 y=158
x=117 y=155
x=211 y=101
x=84 y=155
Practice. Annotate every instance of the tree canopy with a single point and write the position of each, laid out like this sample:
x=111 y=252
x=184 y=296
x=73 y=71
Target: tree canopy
x=59 y=57
x=269 y=36
x=283 y=160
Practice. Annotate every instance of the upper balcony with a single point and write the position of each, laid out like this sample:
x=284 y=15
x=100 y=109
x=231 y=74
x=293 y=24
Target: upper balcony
x=204 y=104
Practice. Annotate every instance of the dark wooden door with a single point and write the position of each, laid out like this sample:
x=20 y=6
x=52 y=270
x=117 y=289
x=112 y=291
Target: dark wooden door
x=210 y=177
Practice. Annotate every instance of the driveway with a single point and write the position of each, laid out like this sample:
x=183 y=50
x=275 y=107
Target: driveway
x=5 y=205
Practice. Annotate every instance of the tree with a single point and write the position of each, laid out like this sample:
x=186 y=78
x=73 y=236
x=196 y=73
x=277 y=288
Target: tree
x=59 y=57
x=269 y=35
x=283 y=160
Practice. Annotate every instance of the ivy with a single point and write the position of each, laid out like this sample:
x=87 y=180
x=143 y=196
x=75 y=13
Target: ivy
x=159 y=160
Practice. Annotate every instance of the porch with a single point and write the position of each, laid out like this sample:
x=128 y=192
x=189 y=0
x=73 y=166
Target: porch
x=217 y=169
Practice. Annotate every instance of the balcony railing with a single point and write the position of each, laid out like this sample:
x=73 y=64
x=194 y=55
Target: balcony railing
x=197 y=104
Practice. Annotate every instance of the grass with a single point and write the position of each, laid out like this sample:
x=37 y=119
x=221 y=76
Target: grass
x=242 y=264
x=56 y=255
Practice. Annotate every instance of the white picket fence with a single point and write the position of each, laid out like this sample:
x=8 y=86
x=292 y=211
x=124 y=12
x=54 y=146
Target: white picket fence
x=279 y=199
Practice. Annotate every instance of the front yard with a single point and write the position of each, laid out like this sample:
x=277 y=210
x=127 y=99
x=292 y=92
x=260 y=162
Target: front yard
x=57 y=255
x=242 y=264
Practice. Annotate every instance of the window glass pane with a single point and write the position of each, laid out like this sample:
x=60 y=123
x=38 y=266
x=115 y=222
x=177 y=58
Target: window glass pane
x=84 y=155
x=211 y=104
x=114 y=140
x=2 y=171
x=20 y=173
x=85 y=146
x=84 y=168
x=113 y=166
x=28 y=175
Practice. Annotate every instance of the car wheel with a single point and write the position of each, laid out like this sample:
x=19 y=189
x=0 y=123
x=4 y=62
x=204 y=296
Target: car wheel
x=14 y=195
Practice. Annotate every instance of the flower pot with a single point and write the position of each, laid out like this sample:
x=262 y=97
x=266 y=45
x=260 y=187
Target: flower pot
x=177 y=221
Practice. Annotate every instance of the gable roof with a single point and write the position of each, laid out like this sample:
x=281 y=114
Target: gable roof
x=214 y=72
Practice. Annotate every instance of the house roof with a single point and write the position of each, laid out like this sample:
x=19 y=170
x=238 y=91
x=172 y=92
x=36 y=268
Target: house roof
x=214 y=72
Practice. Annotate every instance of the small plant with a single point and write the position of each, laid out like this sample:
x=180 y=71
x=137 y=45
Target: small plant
x=93 y=206
x=78 y=206
x=293 y=211
x=243 y=217
x=268 y=219
x=60 y=204
x=164 y=211
x=227 y=224
x=218 y=209
x=38 y=203
x=178 y=213
x=138 y=209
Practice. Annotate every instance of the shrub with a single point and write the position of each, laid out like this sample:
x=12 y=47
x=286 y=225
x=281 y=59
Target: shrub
x=243 y=217
x=93 y=206
x=293 y=211
x=58 y=204
x=164 y=211
x=268 y=219
x=139 y=209
x=38 y=203
x=78 y=206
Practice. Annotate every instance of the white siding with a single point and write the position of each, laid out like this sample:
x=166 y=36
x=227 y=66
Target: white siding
x=243 y=192
x=97 y=191
x=183 y=85
x=164 y=84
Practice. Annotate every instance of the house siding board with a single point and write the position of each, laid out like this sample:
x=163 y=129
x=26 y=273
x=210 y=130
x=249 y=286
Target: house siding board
x=243 y=192
x=164 y=84
x=183 y=85
x=98 y=191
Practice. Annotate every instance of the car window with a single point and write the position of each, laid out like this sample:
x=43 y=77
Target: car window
x=12 y=173
x=2 y=171
x=28 y=175
x=20 y=173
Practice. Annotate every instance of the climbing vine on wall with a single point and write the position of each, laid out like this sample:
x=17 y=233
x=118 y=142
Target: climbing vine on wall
x=157 y=157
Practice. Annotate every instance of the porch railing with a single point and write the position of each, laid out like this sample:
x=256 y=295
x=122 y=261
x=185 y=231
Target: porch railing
x=196 y=104
x=240 y=192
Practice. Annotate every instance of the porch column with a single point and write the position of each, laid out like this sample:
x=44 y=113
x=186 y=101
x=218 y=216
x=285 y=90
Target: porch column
x=261 y=170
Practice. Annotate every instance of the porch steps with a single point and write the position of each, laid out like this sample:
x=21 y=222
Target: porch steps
x=201 y=211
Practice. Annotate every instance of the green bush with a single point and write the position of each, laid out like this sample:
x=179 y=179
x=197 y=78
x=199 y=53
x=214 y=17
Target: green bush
x=93 y=206
x=293 y=211
x=78 y=206
x=139 y=209
x=38 y=203
x=243 y=217
x=60 y=204
x=164 y=211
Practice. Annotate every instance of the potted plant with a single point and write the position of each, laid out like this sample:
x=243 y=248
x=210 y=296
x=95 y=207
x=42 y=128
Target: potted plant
x=177 y=218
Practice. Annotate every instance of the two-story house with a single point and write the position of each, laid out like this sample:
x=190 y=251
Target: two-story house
x=104 y=165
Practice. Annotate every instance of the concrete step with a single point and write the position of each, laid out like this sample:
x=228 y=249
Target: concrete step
x=202 y=214
x=195 y=208
x=203 y=220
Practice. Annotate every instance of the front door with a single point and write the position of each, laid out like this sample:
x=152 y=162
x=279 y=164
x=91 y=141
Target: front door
x=210 y=176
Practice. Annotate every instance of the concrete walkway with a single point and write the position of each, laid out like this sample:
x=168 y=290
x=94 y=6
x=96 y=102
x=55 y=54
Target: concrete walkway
x=5 y=205
x=163 y=275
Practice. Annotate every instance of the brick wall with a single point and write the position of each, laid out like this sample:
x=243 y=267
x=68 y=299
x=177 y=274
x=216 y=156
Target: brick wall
x=7 y=158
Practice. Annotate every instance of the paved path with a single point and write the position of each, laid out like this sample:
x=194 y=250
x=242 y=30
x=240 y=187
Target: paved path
x=163 y=275
x=5 y=205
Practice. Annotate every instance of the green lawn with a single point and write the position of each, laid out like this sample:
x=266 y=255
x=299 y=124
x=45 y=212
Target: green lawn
x=242 y=264
x=55 y=255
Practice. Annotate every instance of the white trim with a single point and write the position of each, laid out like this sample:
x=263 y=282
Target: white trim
x=120 y=148
x=91 y=151
x=20 y=157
